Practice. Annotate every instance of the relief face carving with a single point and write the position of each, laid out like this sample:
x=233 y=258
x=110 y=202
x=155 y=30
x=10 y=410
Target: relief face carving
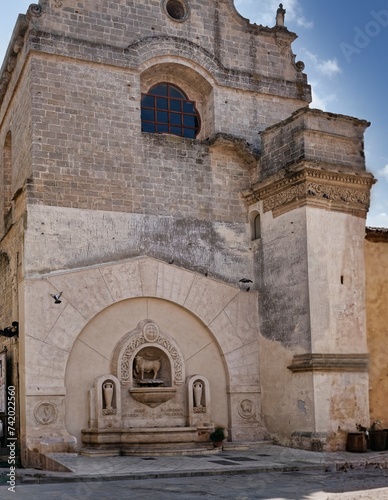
x=246 y=409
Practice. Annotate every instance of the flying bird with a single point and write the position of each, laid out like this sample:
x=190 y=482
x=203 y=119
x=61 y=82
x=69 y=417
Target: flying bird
x=245 y=280
x=56 y=297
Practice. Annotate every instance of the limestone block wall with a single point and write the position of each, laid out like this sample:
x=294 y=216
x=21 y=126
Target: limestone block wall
x=65 y=346
x=216 y=28
x=313 y=135
x=376 y=265
x=313 y=352
x=336 y=282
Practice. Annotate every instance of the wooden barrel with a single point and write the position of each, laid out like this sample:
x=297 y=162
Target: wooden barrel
x=377 y=440
x=356 y=442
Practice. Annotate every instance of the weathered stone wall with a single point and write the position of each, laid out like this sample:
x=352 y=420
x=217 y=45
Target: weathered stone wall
x=313 y=135
x=376 y=263
x=212 y=27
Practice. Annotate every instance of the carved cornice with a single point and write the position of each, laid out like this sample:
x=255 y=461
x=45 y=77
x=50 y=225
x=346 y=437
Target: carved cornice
x=329 y=362
x=326 y=189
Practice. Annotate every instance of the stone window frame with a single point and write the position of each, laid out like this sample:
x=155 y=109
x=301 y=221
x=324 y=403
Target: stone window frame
x=173 y=96
x=255 y=225
x=179 y=18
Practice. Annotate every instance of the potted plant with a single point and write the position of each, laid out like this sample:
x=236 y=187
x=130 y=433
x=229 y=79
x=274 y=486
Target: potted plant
x=217 y=437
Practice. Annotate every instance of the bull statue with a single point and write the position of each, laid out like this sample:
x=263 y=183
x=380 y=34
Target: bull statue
x=143 y=365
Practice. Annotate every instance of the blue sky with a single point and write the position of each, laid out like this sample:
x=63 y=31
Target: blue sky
x=344 y=45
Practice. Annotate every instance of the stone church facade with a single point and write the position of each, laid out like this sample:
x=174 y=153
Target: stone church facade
x=182 y=237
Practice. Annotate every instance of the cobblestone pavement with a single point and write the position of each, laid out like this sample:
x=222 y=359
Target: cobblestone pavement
x=370 y=484
x=262 y=458
x=256 y=472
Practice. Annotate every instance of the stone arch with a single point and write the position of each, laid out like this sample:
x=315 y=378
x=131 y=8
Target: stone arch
x=255 y=225
x=192 y=79
x=102 y=350
x=226 y=316
x=156 y=47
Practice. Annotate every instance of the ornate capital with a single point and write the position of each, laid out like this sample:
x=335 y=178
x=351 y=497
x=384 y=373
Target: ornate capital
x=310 y=186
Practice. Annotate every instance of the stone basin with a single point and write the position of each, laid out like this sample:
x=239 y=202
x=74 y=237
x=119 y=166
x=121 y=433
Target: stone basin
x=152 y=396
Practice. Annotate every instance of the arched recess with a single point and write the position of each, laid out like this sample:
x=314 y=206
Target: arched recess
x=94 y=351
x=190 y=80
x=255 y=225
x=66 y=343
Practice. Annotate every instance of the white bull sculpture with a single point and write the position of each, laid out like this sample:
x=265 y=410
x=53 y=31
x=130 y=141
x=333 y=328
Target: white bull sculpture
x=146 y=366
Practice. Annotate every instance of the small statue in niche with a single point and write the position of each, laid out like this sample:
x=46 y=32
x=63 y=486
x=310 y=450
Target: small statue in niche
x=143 y=365
x=197 y=393
x=108 y=389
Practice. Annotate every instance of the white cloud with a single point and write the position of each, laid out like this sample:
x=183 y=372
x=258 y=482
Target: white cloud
x=264 y=12
x=384 y=172
x=378 y=220
x=328 y=67
x=320 y=99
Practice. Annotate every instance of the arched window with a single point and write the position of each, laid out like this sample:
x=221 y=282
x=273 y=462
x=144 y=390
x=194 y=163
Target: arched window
x=255 y=223
x=167 y=110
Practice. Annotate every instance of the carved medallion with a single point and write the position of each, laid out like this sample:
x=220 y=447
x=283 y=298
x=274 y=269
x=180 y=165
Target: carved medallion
x=150 y=332
x=246 y=409
x=45 y=413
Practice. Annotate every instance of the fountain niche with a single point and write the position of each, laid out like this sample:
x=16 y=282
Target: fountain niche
x=146 y=405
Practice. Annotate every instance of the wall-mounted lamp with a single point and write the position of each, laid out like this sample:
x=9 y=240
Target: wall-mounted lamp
x=10 y=331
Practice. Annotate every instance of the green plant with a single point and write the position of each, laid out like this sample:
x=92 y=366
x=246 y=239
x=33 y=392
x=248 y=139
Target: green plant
x=217 y=435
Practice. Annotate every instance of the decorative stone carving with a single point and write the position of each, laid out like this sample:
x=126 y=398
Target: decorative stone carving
x=108 y=392
x=198 y=400
x=314 y=187
x=246 y=409
x=34 y=10
x=45 y=413
x=143 y=365
x=197 y=392
x=151 y=332
x=105 y=402
x=148 y=335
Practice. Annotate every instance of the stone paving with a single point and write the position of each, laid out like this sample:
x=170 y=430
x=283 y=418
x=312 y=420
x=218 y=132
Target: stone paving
x=262 y=458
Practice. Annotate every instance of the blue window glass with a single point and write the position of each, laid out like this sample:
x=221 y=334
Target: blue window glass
x=175 y=118
x=175 y=105
x=161 y=89
x=162 y=117
x=147 y=114
x=161 y=103
x=166 y=108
